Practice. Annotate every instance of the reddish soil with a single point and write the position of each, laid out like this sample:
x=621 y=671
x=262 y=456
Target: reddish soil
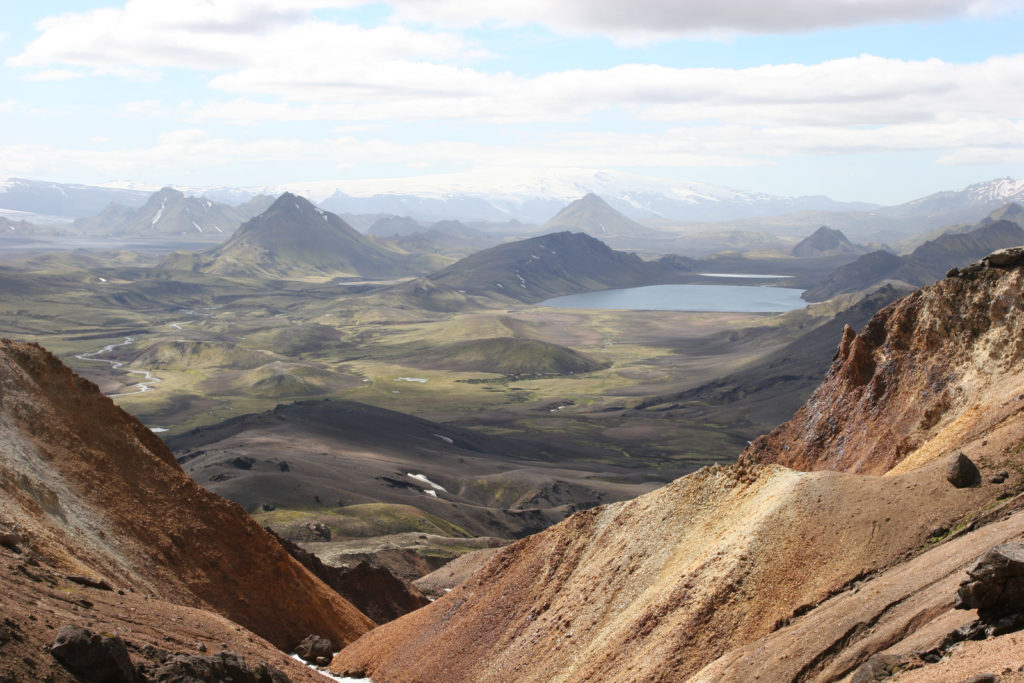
x=90 y=491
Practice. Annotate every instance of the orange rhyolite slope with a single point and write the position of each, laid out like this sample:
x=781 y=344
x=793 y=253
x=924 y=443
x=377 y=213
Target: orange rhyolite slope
x=89 y=490
x=757 y=571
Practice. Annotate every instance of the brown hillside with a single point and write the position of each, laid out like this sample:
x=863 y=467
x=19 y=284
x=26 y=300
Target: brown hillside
x=756 y=571
x=91 y=491
x=925 y=374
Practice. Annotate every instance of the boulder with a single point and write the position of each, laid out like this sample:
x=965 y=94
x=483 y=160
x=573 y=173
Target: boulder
x=223 y=666
x=995 y=583
x=961 y=472
x=313 y=647
x=878 y=667
x=1005 y=258
x=92 y=656
x=10 y=540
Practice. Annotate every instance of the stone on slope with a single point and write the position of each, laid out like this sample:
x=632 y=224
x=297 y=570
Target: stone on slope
x=92 y=656
x=313 y=647
x=218 y=668
x=961 y=472
x=995 y=582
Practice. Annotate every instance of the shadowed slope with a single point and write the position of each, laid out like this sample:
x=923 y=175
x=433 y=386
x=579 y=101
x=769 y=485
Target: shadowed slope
x=552 y=265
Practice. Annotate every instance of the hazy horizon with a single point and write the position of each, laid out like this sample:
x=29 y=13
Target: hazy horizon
x=858 y=101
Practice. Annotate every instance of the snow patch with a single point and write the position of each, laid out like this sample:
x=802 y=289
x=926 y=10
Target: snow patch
x=431 y=493
x=419 y=380
x=101 y=279
x=217 y=228
x=157 y=430
x=196 y=225
x=327 y=674
x=160 y=211
x=446 y=439
x=423 y=478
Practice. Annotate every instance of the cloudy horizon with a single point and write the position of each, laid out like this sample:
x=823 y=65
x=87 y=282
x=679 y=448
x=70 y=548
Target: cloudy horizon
x=860 y=100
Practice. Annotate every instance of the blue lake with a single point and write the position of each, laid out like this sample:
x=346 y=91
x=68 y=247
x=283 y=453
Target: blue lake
x=701 y=298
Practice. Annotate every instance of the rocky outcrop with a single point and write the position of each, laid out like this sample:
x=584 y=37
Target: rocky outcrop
x=93 y=656
x=995 y=583
x=927 y=372
x=377 y=592
x=223 y=666
x=92 y=493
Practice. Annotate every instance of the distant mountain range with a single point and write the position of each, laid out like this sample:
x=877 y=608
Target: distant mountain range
x=170 y=212
x=928 y=262
x=691 y=213
x=295 y=239
x=63 y=200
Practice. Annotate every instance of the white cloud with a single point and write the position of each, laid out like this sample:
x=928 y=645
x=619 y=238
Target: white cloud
x=638 y=20
x=150 y=34
x=54 y=75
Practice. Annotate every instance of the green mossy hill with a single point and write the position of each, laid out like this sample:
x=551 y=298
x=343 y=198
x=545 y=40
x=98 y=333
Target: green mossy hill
x=296 y=339
x=358 y=521
x=285 y=380
x=196 y=354
x=552 y=265
x=509 y=356
x=294 y=239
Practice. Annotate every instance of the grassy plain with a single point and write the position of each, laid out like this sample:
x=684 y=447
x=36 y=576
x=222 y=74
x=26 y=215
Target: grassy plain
x=222 y=347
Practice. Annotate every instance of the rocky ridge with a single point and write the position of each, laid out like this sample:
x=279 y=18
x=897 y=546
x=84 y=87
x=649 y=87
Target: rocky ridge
x=934 y=369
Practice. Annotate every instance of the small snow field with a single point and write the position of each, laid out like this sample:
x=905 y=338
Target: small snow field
x=423 y=478
x=327 y=674
x=419 y=380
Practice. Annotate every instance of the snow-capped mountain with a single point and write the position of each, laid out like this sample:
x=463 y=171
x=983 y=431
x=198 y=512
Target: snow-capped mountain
x=63 y=200
x=964 y=205
x=524 y=195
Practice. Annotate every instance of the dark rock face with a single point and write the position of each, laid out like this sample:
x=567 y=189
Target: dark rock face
x=961 y=472
x=378 y=593
x=995 y=583
x=93 y=657
x=313 y=647
x=224 y=666
x=882 y=666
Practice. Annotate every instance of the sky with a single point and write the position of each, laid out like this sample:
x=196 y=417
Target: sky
x=861 y=100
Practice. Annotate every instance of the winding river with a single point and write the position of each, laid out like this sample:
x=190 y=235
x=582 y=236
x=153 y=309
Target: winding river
x=141 y=387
